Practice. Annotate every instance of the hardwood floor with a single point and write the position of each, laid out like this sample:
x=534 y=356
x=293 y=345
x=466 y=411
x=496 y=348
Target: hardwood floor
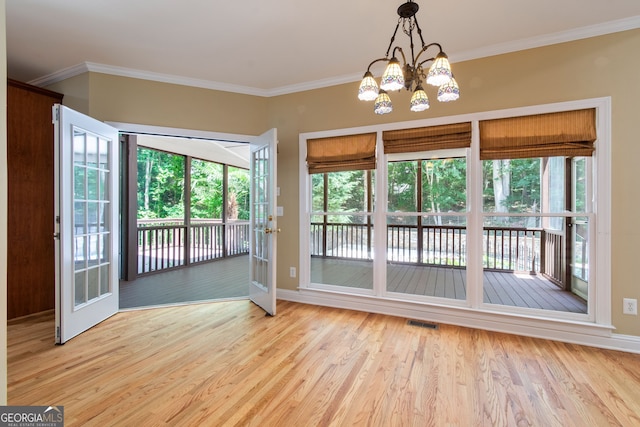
x=226 y=364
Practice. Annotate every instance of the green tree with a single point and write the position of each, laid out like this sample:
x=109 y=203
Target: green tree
x=160 y=184
x=206 y=189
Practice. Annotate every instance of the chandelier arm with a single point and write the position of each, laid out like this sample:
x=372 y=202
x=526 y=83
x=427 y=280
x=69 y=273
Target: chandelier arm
x=398 y=48
x=376 y=60
x=425 y=61
x=424 y=49
x=393 y=38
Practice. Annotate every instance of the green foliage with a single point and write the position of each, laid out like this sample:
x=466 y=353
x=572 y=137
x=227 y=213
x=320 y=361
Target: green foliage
x=525 y=181
x=160 y=184
x=401 y=181
x=239 y=190
x=206 y=189
x=443 y=185
x=346 y=192
x=525 y=186
x=161 y=187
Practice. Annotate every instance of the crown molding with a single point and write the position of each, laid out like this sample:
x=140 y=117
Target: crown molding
x=144 y=75
x=630 y=23
x=625 y=24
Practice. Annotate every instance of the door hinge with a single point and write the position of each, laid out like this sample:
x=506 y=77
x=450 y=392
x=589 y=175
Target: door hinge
x=58 y=332
x=56 y=234
x=56 y=114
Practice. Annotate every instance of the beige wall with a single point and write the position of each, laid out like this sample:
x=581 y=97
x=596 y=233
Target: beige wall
x=3 y=207
x=596 y=67
x=76 y=92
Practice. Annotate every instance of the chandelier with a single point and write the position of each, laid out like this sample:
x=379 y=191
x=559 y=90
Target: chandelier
x=411 y=75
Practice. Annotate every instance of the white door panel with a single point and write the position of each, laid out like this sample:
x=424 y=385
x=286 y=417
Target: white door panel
x=264 y=227
x=86 y=209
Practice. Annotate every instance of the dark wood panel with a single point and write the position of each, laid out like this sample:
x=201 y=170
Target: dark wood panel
x=30 y=261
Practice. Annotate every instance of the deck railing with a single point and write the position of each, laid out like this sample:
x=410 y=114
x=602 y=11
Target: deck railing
x=169 y=243
x=505 y=248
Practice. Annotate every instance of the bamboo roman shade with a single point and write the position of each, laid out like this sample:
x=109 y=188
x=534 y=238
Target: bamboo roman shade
x=341 y=153
x=567 y=133
x=457 y=135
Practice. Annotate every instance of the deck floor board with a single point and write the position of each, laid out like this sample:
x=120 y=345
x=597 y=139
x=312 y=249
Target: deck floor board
x=229 y=278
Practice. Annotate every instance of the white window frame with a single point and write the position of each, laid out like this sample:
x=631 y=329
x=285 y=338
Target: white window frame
x=474 y=312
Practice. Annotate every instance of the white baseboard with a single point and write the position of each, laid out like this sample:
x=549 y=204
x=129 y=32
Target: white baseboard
x=552 y=329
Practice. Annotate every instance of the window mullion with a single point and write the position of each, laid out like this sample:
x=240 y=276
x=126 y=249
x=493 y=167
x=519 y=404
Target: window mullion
x=475 y=219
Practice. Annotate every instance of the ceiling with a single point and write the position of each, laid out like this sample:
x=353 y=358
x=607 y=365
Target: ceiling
x=225 y=152
x=273 y=47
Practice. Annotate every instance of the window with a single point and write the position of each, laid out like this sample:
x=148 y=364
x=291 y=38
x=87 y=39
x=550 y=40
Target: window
x=341 y=226
x=426 y=225
x=506 y=223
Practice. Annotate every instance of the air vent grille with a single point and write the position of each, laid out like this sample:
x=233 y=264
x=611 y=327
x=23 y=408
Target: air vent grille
x=422 y=324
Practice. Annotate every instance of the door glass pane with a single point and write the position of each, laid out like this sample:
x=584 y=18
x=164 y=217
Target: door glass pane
x=92 y=150
x=80 y=292
x=92 y=190
x=91 y=226
x=93 y=283
x=80 y=217
x=105 y=254
x=261 y=255
x=79 y=148
x=80 y=255
x=104 y=280
x=103 y=186
x=104 y=153
x=93 y=249
x=79 y=173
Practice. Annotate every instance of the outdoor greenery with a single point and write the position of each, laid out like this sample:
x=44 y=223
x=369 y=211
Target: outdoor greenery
x=161 y=192
x=511 y=186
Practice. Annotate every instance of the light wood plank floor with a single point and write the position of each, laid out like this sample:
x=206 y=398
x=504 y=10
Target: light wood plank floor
x=226 y=364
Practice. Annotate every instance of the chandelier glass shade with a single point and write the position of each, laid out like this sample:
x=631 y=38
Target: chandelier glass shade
x=383 y=103
x=411 y=74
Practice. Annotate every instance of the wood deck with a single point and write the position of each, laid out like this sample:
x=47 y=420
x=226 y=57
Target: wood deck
x=215 y=280
x=229 y=278
x=227 y=364
x=518 y=290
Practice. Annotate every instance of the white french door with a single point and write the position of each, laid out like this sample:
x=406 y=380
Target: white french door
x=86 y=214
x=264 y=227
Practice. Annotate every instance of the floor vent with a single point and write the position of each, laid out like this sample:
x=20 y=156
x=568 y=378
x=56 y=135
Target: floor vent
x=422 y=324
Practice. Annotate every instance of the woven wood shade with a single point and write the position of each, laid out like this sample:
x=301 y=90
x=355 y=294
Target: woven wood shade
x=457 y=135
x=341 y=153
x=568 y=133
